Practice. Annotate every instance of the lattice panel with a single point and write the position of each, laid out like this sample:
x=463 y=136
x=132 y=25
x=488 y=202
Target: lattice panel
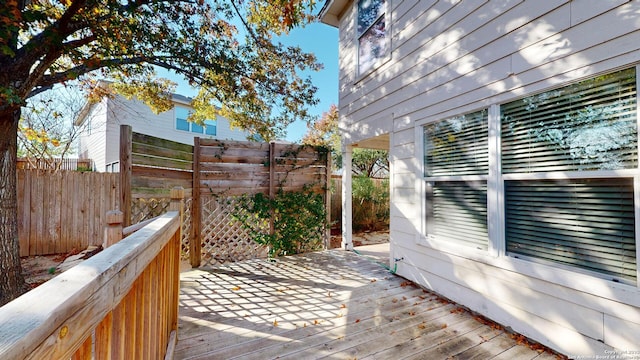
x=186 y=228
x=143 y=209
x=223 y=239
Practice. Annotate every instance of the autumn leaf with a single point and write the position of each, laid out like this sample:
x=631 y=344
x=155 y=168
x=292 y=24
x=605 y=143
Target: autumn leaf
x=236 y=288
x=357 y=321
x=343 y=306
x=275 y=322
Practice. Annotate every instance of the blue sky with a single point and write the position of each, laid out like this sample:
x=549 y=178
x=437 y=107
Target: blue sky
x=322 y=40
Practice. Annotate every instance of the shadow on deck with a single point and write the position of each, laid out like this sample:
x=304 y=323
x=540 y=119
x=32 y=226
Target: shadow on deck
x=333 y=304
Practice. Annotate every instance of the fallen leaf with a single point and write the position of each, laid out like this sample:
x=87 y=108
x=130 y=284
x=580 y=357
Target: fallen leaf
x=422 y=326
x=444 y=326
x=236 y=288
x=275 y=322
x=357 y=321
x=373 y=280
x=343 y=306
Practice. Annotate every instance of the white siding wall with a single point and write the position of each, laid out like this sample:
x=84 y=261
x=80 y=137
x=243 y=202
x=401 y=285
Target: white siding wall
x=452 y=57
x=93 y=139
x=143 y=120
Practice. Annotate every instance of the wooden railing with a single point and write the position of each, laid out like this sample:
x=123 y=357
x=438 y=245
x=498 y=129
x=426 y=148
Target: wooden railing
x=119 y=304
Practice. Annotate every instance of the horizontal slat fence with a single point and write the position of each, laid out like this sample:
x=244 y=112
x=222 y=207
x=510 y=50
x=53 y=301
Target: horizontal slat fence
x=59 y=211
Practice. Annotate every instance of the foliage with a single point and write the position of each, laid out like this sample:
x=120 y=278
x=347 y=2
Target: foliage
x=370 y=204
x=243 y=73
x=298 y=220
x=365 y=162
x=226 y=48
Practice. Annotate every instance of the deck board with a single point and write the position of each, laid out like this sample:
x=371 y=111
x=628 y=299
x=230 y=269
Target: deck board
x=332 y=304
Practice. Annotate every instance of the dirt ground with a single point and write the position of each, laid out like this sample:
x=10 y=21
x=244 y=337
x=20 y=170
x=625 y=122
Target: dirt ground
x=39 y=269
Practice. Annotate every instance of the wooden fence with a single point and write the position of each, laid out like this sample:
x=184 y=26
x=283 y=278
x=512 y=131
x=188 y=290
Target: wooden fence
x=64 y=210
x=120 y=304
x=215 y=172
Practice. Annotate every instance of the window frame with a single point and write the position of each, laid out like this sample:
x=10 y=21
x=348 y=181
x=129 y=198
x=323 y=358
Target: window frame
x=385 y=16
x=426 y=181
x=497 y=255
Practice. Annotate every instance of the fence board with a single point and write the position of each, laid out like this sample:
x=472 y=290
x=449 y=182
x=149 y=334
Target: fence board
x=62 y=210
x=216 y=169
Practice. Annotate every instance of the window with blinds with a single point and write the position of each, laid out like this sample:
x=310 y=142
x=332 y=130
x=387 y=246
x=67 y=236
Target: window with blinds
x=456 y=209
x=588 y=223
x=590 y=125
x=584 y=220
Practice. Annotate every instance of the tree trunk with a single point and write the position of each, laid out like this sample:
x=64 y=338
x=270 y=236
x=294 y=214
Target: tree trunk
x=12 y=282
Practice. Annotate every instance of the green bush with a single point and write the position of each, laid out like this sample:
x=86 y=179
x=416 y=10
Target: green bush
x=299 y=221
x=370 y=204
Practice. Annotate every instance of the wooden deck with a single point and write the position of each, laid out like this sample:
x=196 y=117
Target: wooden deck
x=333 y=304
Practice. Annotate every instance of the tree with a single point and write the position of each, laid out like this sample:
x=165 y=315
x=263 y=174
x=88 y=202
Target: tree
x=242 y=72
x=46 y=132
x=370 y=163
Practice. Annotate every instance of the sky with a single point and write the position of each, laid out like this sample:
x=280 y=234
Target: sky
x=317 y=38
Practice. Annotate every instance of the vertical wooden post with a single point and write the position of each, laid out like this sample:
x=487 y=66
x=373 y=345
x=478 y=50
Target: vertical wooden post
x=176 y=204
x=113 y=230
x=272 y=184
x=126 y=138
x=196 y=211
x=177 y=194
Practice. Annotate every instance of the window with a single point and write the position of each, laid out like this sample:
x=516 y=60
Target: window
x=210 y=127
x=456 y=169
x=579 y=136
x=562 y=186
x=181 y=118
x=373 y=41
x=182 y=114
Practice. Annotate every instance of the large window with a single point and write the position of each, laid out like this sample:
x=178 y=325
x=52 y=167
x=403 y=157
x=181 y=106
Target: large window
x=373 y=40
x=182 y=114
x=456 y=169
x=562 y=186
x=579 y=136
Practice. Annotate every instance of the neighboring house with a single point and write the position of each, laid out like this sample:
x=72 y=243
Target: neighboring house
x=512 y=128
x=101 y=137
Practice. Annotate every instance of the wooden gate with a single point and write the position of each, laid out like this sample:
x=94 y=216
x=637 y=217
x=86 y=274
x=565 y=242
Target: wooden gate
x=215 y=173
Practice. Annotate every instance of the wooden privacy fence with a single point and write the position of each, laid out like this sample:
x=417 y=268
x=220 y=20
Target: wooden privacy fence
x=216 y=172
x=120 y=304
x=64 y=210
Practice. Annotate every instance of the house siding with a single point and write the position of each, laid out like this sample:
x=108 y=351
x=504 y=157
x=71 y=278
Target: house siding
x=452 y=57
x=103 y=145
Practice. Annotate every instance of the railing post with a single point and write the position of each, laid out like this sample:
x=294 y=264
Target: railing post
x=113 y=230
x=177 y=194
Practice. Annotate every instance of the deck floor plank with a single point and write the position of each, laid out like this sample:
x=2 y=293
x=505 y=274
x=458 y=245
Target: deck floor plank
x=332 y=304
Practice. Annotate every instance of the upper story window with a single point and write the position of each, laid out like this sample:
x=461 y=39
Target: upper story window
x=373 y=40
x=182 y=123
